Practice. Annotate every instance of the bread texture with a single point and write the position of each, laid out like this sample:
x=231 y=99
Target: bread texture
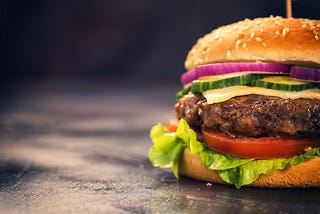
x=273 y=39
x=306 y=174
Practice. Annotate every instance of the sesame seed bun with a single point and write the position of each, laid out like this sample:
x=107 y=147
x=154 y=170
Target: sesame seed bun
x=273 y=39
x=306 y=174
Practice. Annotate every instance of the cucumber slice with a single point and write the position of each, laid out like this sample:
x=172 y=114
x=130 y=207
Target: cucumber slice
x=223 y=82
x=283 y=83
x=183 y=92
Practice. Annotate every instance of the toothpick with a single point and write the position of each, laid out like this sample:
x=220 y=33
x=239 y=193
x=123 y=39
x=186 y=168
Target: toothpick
x=289 y=8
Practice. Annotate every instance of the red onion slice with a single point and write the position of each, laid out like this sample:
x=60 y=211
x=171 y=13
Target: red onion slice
x=189 y=76
x=303 y=73
x=233 y=67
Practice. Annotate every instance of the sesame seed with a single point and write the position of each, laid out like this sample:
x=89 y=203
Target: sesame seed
x=277 y=23
x=316 y=37
x=285 y=31
x=237 y=44
x=277 y=32
x=261 y=30
x=258 y=39
x=264 y=44
x=244 y=45
x=228 y=54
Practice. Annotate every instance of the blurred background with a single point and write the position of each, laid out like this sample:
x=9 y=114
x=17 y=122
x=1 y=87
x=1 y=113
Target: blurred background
x=115 y=41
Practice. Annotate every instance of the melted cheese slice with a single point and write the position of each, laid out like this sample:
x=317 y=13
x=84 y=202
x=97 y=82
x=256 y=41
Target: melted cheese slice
x=221 y=95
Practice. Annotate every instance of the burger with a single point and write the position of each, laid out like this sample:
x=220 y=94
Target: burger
x=248 y=113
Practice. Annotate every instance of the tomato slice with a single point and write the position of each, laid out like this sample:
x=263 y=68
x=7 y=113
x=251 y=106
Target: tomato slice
x=172 y=125
x=260 y=148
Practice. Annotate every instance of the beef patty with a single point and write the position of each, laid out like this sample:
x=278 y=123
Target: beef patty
x=253 y=115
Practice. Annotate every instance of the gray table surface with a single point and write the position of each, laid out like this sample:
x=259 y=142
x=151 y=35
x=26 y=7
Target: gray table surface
x=83 y=149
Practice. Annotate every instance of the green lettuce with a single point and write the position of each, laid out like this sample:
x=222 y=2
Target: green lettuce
x=168 y=146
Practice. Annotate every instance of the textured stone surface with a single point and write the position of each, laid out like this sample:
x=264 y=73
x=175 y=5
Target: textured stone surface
x=85 y=151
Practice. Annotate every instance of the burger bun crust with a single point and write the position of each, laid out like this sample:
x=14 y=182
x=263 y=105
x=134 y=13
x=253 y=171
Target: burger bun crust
x=306 y=174
x=273 y=39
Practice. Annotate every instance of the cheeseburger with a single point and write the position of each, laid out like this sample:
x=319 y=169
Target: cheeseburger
x=248 y=113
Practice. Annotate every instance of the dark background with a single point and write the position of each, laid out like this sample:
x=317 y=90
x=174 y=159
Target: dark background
x=131 y=41
x=79 y=94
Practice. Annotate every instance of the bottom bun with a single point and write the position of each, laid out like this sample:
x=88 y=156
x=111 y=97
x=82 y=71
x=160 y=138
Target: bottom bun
x=306 y=174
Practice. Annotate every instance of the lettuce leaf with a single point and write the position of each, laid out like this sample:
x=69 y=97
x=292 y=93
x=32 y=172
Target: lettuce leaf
x=250 y=171
x=168 y=146
x=189 y=137
x=217 y=161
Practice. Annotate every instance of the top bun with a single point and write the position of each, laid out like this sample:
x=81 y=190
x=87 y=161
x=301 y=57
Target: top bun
x=272 y=39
